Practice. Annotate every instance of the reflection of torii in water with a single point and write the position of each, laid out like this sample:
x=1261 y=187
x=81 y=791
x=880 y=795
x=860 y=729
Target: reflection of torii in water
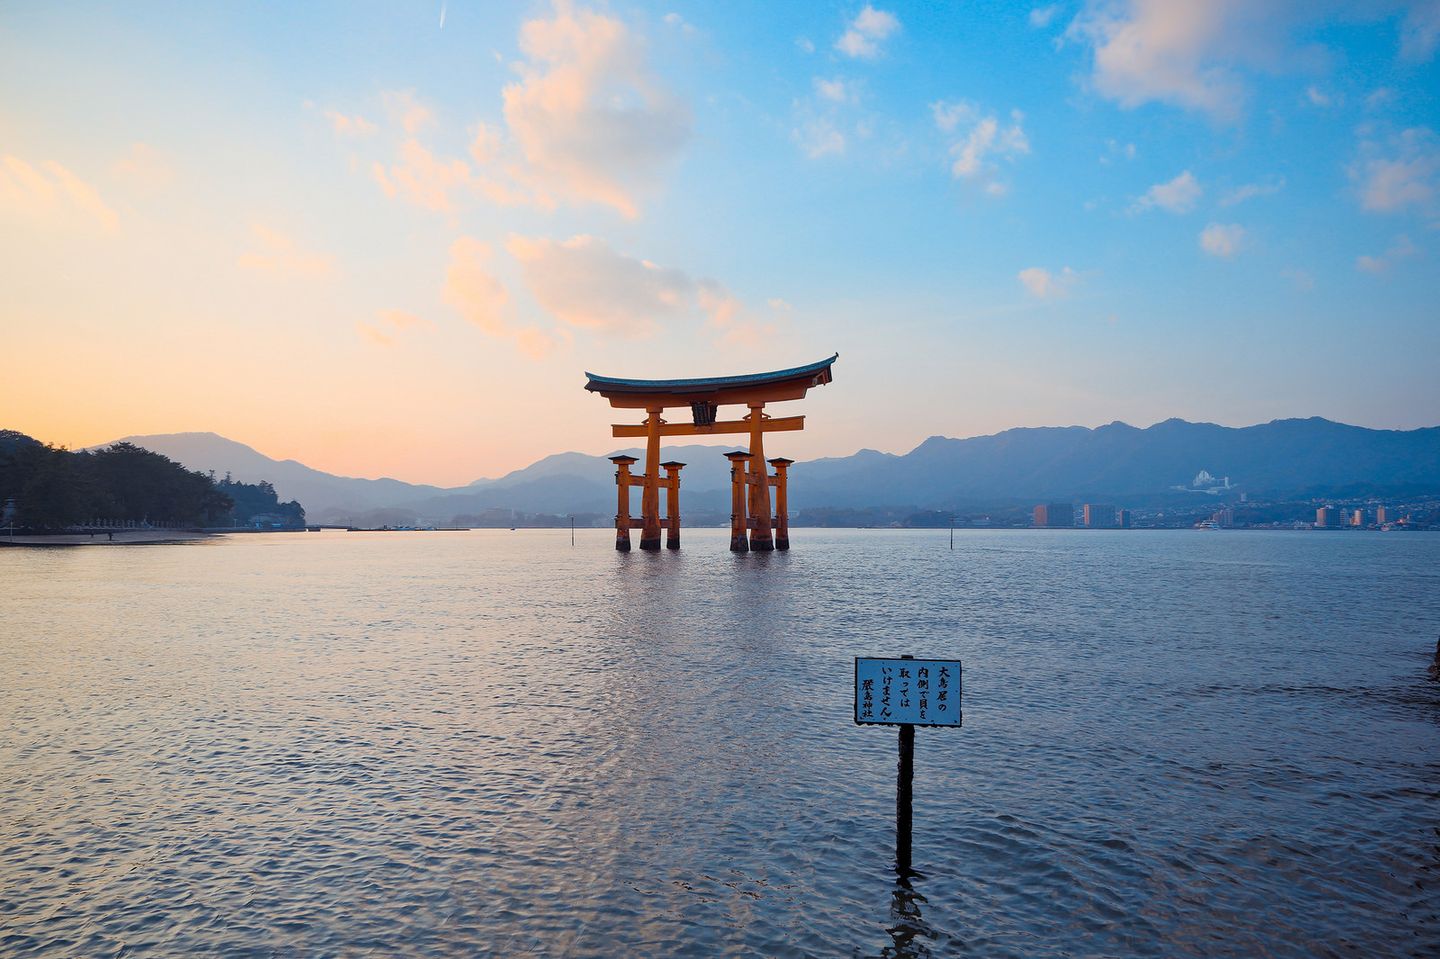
x=751 y=512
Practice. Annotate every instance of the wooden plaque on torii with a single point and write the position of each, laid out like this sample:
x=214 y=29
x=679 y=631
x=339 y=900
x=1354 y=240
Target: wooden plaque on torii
x=753 y=523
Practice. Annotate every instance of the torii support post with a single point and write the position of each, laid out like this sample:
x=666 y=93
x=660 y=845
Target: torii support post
x=738 y=542
x=782 y=506
x=672 y=504
x=650 y=492
x=762 y=539
x=623 y=480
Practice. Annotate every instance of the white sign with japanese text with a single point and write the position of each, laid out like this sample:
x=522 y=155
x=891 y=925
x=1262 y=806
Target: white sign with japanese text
x=918 y=692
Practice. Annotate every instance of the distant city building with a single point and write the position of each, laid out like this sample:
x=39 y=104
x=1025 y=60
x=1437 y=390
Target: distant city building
x=1381 y=516
x=1357 y=518
x=1098 y=516
x=1122 y=518
x=1055 y=514
x=1327 y=517
x=1224 y=518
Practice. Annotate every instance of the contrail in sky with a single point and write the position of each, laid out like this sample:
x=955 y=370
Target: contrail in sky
x=442 y=16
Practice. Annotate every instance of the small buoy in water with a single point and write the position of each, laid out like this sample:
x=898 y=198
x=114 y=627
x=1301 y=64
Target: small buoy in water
x=1434 y=670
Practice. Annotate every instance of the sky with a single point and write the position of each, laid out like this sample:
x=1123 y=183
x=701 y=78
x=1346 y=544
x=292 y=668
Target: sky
x=389 y=239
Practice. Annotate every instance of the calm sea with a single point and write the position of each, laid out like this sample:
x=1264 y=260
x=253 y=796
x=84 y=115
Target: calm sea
x=495 y=743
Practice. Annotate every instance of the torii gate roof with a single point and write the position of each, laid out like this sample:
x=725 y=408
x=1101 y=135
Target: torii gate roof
x=780 y=384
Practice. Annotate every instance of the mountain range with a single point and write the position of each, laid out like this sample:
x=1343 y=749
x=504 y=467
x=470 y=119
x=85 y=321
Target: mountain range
x=1116 y=462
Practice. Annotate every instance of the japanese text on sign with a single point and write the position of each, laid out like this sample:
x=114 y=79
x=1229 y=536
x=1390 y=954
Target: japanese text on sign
x=919 y=692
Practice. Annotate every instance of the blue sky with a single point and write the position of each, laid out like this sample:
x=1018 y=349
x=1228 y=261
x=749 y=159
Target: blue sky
x=354 y=235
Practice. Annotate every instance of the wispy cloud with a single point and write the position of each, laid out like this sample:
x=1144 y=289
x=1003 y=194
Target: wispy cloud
x=474 y=291
x=589 y=285
x=422 y=178
x=865 y=34
x=1222 y=239
x=1401 y=249
x=1045 y=285
x=836 y=90
x=1176 y=51
x=1302 y=280
x=1175 y=196
x=389 y=324
x=408 y=111
x=1041 y=17
x=590 y=120
x=50 y=193
x=146 y=167
x=278 y=254
x=1400 y=172
x=350 y=126
x=1249 y=191
x=980 y=141
x=818 y=137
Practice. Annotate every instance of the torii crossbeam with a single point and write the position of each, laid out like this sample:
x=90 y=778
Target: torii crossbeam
x=704 y=397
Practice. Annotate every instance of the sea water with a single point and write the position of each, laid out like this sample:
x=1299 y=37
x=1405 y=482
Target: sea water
x=497 y=743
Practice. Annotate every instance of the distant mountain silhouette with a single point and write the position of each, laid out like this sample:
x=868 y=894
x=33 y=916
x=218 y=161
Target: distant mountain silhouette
x=560 y=483
x=1116 y=462
x=1120 y=461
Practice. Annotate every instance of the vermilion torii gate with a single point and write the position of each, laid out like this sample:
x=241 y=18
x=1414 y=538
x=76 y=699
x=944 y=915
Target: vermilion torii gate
x=750 y=480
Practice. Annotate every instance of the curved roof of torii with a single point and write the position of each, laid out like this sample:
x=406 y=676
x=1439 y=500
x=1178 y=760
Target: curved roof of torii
x=812 y=374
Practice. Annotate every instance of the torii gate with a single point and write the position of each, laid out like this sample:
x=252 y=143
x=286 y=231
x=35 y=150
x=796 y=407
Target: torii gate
x=749 y=513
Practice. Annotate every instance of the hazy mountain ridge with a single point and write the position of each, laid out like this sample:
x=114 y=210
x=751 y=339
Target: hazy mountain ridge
x=1074 y=462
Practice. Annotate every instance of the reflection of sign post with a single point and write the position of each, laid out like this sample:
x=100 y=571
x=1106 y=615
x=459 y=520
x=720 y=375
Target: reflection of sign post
x=906 y=692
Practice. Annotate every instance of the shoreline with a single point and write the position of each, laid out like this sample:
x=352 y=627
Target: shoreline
x=119 y=537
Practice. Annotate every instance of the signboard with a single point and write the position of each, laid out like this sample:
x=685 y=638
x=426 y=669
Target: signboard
x=918 y=692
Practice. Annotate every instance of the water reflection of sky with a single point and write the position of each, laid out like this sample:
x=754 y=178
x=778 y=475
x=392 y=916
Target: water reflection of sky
x=338 y=743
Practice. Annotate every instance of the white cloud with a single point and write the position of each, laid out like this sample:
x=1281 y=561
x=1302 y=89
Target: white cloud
x=985 y=142
x=407 y=110
x=675 y=20
x=1420 y=31
x=867 y=32
x=1380 y=97
x=473 y=290
x=1400 y=173
x=145 y=166
x=374 y=334
x=836 y=91
x=591 y=122
x=1401 y=249
x=1194 y=54
x=1040 y=17
x=1175 y=51
x=950 y=115
x=423 y=179
x=349 y=126
x=51 y=194
x=278 y=254
x=403 y=320
x=1044 y=285
x=1222 y=239
x=1115 y=149
x=819 y=137
x=1248 y=191
x=483 y=301
x=805 y=44
x=1302 y=280
x=587 y=284
x=1176 y=196
x=389 y=324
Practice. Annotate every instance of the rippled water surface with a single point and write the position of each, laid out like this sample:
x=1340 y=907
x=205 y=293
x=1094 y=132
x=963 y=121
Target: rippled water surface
x=492 y=743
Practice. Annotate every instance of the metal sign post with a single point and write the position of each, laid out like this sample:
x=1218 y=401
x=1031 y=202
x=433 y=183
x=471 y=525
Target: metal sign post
x=906 y=692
